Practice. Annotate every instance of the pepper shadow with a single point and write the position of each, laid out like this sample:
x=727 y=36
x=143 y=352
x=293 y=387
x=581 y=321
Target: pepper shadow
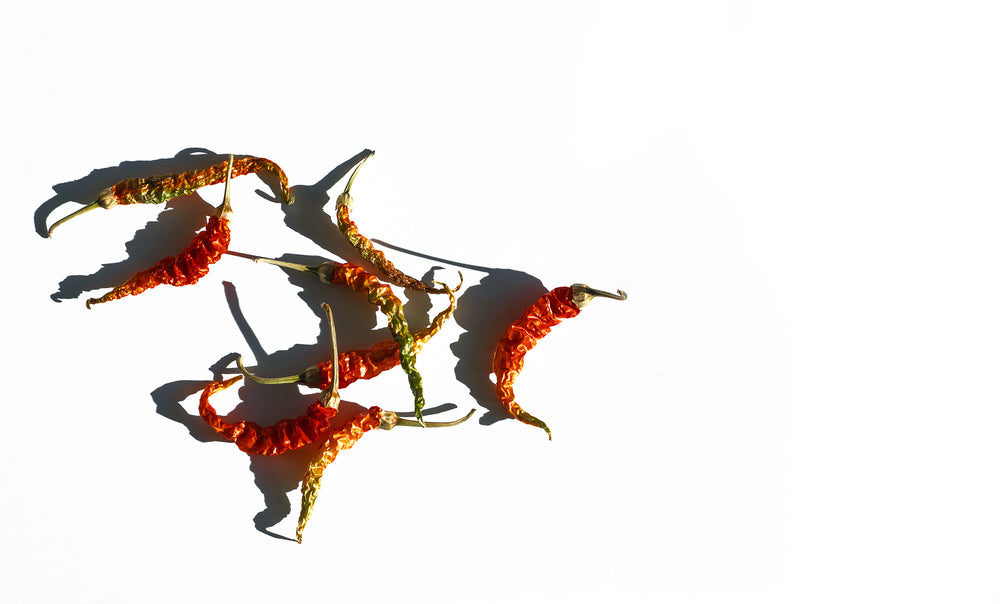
x=485 y=311
x=171 y=232
x=308 y=217
x=168 y=234
x=85 y=190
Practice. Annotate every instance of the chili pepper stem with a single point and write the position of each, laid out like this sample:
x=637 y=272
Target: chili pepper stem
x=288 y=379
x=391 y=419
x=83 y=210
x=331 y=397
x=583 y=294
x=226 y=209
x=345 y=197
x=282 y=263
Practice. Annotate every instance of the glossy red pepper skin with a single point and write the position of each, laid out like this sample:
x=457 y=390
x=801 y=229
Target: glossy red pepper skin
x=286 y=435
x=184 y=269
x=522 y=335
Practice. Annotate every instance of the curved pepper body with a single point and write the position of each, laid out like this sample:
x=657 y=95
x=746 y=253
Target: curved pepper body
x=508 y=359
x=184 y=269
x=286 y=435
x=158 y=189
x=367 y=250
x=338 y=441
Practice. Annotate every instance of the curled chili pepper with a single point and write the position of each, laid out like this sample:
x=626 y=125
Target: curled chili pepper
x=158 y=189
x=187 y=267
x=344 y=439
x=287 y=434
x=522 y=335
x=367 y=249
x=357 y=365
x=380 y=295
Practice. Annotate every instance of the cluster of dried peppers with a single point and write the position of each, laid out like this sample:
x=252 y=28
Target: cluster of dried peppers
x=314 y=426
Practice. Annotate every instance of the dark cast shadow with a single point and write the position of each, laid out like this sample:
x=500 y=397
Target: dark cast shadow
x=310 y=217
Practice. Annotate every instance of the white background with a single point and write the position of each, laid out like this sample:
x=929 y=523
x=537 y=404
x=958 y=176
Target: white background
x=797 y=403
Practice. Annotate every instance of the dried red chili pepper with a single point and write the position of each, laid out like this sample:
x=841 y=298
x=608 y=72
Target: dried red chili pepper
x=536 y=322
x=187 y=267
x=287 y=434
x=367 y=249
x=344 y=439
x=158 y=189
x=380 y=295
x=357 y=365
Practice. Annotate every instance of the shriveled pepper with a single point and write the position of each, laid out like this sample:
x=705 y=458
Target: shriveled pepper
x=187 y=267
x=367 y=249
x=344 y=439
x=287 y=434
x=158 y=189
x=522 y=335
x=378 y=294
x=357 y=365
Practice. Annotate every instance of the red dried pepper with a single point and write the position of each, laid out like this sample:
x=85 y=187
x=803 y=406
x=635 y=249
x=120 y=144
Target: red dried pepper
x=187 y=267
x=536 y=322
x=344 y=439
x=287 y=434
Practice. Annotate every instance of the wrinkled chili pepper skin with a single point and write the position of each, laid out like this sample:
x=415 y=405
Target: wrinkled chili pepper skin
x=158 y=189
x=338 y=441
x=357 y=365
x=286 y=435
x=367 y=250
x=536 y=322
x=184 y=269
x=382 y=296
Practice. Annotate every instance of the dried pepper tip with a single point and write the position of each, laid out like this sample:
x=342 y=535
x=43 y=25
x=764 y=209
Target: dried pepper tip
x=390 y=420
x=583 y=294
x=449 y=290
x=523 y=416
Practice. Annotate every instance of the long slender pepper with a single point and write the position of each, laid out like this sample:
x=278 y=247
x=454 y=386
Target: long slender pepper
x=344 y=439
x=158 y=189
x=367 y=249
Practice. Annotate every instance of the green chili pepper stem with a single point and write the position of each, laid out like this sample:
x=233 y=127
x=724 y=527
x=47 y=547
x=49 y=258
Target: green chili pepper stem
x=583 y=294
x=345 y=197
x=390 y=420
x=290 y=379
x=331 y=397
x=282 y=263
x=83 y=210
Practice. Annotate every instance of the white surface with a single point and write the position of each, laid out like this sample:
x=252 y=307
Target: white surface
x=797 y=403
